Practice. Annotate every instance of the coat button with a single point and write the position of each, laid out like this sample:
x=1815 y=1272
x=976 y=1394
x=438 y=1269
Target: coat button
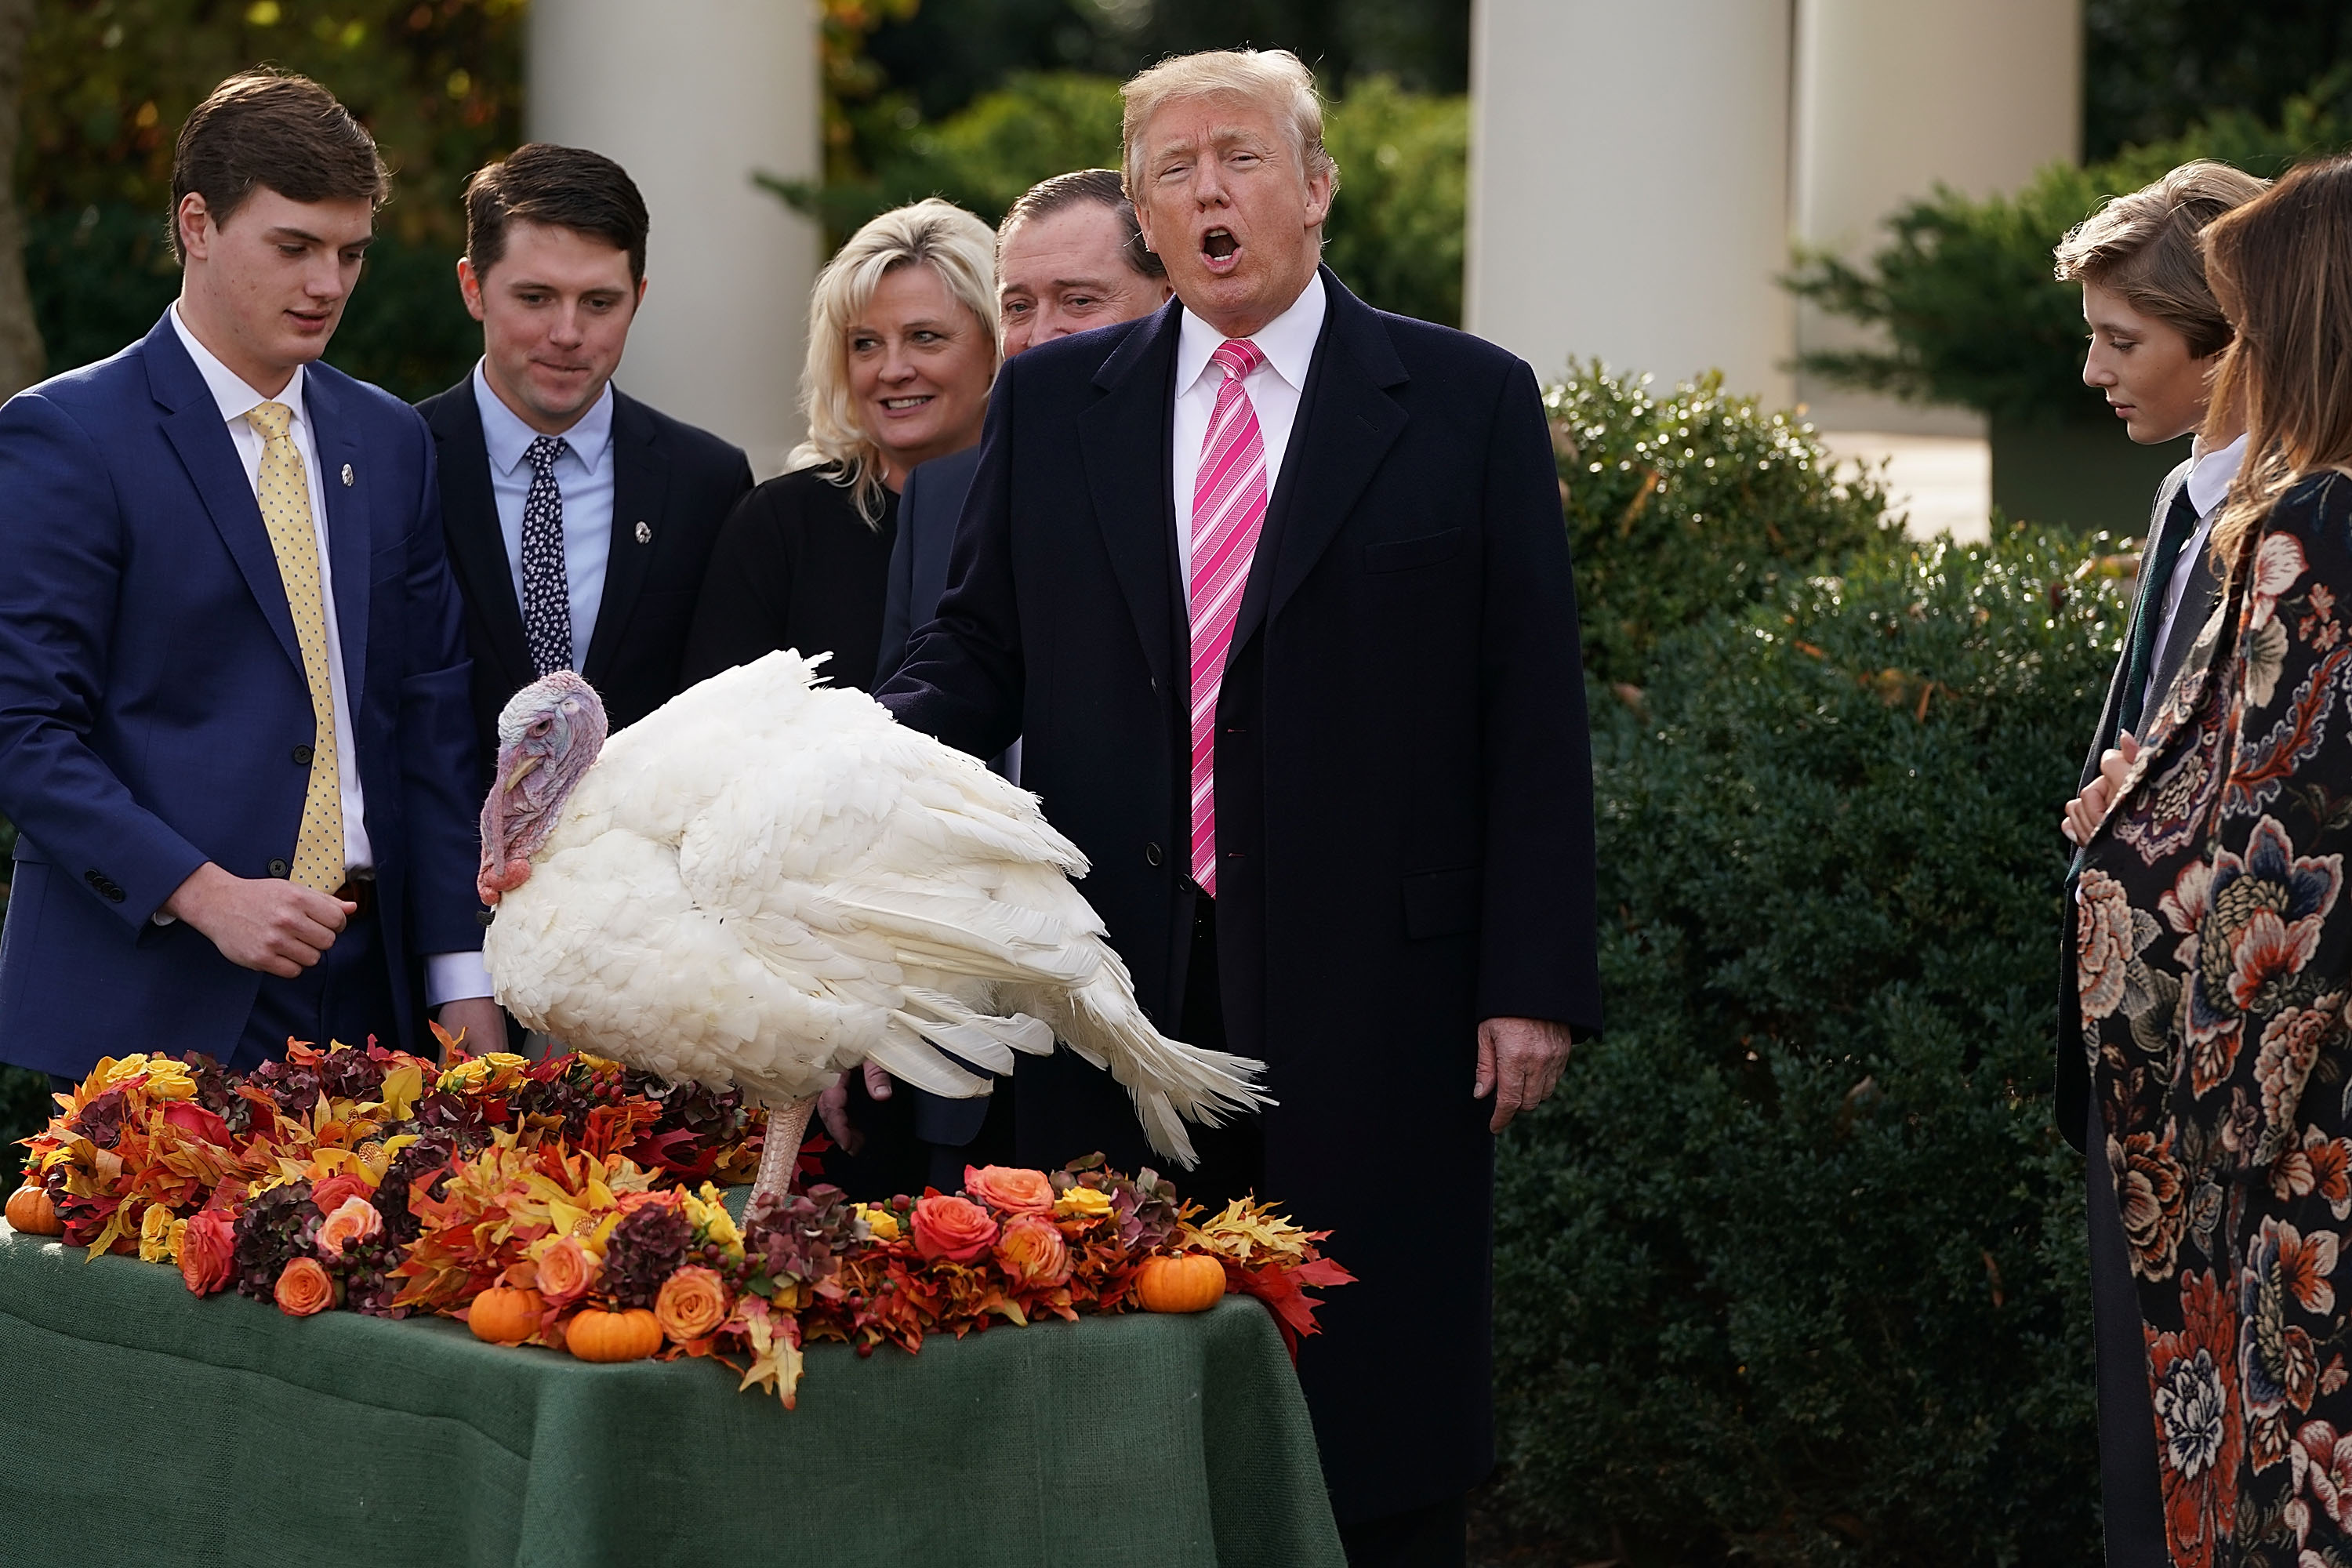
x=301 y=756
x=1152 y=854
x=278 y=868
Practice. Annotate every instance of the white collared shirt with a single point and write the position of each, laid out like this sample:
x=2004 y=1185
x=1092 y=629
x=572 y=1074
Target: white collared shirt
x=2210 y=474
x=448 y=976
x=583 y=477
x=1275 y=388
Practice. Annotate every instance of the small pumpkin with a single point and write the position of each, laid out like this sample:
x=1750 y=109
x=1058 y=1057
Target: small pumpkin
x=505 y=1314
x=1194 y=1282
x=33 y=1212
x=593 y=1335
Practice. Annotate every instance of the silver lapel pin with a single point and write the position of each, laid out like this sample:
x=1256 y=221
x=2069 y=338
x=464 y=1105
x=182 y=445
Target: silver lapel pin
x=644 y=532
x=347 y=475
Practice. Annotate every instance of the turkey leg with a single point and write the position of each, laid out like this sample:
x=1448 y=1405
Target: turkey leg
x=780 y=1152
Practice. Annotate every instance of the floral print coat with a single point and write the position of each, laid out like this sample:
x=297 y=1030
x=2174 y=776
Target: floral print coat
x=2214 y=952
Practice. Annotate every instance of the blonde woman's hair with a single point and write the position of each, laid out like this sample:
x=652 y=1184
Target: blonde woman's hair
x=1272 y=79
x=2142 y=248
x=932 y=233
x=2280 y=267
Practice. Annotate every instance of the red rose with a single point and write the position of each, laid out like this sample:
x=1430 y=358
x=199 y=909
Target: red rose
x=952 y=1228
x=207 y=1251
x=1011 y=1189
x=329 y=1194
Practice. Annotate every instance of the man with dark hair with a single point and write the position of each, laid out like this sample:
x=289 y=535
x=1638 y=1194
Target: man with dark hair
x=1069 y=257
x=232 y=730
x=580 y=520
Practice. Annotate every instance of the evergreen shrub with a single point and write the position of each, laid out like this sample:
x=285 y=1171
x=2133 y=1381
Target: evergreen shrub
x=1790 y=1269
x=1688 y=503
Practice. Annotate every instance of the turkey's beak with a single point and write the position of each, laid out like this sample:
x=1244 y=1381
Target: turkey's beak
x=522 y=770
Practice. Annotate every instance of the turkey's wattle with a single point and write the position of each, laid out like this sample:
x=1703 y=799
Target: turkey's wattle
x=769 y=881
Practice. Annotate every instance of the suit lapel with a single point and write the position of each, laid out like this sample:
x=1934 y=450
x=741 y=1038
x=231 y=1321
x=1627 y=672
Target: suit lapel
x=350 y=543
x=1347 y=421
x=469 y=515
x=1123 y=441
x=197 y=433
x=640 y=486
x=2197 y=599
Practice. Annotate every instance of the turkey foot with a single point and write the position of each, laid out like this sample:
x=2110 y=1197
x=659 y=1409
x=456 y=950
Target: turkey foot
x=780 y=1152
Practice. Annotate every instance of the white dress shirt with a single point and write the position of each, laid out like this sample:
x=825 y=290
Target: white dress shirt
x=448 y=976
x=583 y=476
x=2210 y=474
x=1274 y=387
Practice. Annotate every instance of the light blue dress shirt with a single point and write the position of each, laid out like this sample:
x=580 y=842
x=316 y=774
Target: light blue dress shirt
x=584 y=474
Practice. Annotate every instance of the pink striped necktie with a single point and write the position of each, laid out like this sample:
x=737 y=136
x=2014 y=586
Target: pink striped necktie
x=1228 y=510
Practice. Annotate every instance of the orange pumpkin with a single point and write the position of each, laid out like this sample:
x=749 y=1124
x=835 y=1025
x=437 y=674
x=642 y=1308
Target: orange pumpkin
x=30 y=1210
x=505 y=1314
x=631 y=1335
x=1194 y=1282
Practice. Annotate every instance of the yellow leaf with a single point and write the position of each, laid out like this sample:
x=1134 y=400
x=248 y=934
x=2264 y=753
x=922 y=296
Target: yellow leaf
x=403 y=1087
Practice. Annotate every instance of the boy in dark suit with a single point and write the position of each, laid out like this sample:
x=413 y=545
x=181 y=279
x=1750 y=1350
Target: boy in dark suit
x=580 y=520
x=2156 y=337
x=233 y=729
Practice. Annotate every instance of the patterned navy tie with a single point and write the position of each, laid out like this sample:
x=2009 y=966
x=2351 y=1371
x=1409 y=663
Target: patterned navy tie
x=546 y=585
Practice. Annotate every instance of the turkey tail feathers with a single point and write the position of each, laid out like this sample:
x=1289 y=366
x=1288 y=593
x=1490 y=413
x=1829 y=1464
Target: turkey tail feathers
x=1170 y=1082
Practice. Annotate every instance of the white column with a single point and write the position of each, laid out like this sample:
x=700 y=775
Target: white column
x=1896 y=96
x=693 y=98
x=1629 y=186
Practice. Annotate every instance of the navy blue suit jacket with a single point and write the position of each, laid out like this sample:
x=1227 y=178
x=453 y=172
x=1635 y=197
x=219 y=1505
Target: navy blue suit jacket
x=928 y=508
x=151 y=697
x=1403 y=784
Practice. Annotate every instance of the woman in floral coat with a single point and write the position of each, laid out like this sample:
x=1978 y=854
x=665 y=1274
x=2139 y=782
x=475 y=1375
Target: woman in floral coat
x=2214 y=942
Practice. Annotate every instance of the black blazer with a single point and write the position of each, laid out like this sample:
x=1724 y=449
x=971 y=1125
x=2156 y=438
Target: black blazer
x=676 y=481
x=928 y=509
x=2198 y=598
x=1404 y=799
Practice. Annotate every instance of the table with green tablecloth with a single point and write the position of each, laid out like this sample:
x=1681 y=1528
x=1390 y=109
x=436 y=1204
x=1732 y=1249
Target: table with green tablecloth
x=144 y=1424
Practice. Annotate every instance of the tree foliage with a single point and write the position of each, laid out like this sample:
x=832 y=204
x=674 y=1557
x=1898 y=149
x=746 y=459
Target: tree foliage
x=1790 y=1271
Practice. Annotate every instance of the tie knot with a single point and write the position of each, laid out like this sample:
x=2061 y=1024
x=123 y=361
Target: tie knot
x=271 y=419
x=1239 y=356
x=544 y=450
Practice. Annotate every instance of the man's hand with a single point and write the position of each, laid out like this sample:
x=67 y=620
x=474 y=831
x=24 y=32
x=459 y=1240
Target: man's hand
x=260 y=922
x=832 y=1108
x=2088 y=809
x=1519 y=1061
x=480 y=1020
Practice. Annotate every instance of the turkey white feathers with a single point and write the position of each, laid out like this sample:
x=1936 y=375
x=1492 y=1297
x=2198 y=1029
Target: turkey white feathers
x=769 y=881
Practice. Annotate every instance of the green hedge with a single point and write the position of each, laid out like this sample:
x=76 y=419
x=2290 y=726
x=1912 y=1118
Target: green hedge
x=1790 y=1271
x=1963 y=288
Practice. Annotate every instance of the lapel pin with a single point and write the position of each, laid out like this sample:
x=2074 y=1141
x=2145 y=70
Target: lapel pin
x=644 y=532
x=347 y=475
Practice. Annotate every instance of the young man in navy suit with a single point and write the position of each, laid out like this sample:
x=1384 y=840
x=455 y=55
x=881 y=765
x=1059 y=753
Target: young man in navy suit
x=233 y=725
x=580 y=520
x=2157 y=338
x=1275 y=589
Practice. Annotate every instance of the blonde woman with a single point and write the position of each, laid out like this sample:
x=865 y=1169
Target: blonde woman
x=902 y=347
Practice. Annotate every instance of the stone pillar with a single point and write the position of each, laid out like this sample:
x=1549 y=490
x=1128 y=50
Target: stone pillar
x=1628 y=170
x=1896 y=96
x=693 y=98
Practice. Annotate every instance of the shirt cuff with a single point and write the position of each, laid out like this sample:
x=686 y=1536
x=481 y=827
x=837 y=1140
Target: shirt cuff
x=455 y=977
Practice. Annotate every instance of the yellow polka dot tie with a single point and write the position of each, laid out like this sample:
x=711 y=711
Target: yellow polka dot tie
x=284 y=491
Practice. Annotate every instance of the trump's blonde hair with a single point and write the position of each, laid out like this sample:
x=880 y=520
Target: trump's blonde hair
x=931 y=233
x=1272 y=79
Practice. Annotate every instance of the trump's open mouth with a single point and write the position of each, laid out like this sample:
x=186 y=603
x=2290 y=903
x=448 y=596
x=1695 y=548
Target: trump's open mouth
x=1218 y=248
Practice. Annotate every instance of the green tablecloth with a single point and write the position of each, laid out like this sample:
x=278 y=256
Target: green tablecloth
x=141 y=1425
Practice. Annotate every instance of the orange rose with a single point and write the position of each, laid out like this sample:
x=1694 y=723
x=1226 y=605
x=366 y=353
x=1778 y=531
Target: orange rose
x=693 y=1302
x=354 y=1219
x=1009 y=1189
x=329 y=1194
x=1032 y=1252
x=951 y=1228
x=208 y=1251
x=565 y=1272
x=305 y=1288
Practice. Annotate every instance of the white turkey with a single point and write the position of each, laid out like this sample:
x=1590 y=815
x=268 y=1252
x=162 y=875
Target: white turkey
x=769 y=882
